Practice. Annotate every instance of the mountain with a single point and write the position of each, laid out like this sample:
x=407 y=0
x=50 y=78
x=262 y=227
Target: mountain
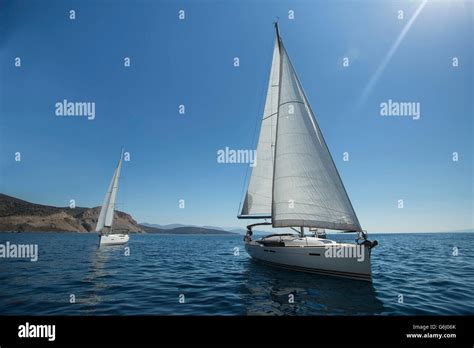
x=183 y=230
x=173 y=226
x=163 y=227
x=22 y=216
x=17 y=215
x=233 y=230
x=215 y=228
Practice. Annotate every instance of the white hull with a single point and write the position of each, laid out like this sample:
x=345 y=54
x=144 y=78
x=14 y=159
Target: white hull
x=114 y=239
x=313 y=258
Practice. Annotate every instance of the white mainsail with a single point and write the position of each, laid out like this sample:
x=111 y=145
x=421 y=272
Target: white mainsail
x=258 y=199
x=306 y=190
x=106 y=215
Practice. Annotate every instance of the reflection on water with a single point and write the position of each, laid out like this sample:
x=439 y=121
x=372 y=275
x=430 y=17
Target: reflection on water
x=97 y=275
x=268 y=288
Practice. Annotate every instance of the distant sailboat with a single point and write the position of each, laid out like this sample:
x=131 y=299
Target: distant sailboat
x=108 y=235
x=296 y=185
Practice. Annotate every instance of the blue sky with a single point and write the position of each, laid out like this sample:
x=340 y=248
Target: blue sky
x=190 y=62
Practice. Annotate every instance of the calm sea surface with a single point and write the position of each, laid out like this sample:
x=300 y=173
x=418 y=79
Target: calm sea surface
x=419 y=267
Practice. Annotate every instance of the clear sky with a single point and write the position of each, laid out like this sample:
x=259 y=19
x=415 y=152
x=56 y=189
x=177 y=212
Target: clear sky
x=190 y=62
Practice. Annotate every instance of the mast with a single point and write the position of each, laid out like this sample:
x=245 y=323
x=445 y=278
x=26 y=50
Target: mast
x=277 y=31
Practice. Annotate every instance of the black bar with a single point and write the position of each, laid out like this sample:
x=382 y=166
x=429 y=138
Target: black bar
x=239 y=330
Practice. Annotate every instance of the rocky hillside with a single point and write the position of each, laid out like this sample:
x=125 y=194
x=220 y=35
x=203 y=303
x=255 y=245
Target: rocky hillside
x=23 y=216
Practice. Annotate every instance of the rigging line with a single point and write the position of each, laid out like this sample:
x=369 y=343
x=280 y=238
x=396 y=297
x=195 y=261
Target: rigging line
x=280 y=69
x=275 y=113
x=292 y=102
x=254 y=140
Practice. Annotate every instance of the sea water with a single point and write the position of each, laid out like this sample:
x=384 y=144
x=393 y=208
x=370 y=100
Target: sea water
x=413 y=274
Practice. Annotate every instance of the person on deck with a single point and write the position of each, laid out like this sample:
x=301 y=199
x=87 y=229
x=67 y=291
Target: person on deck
x=248 y=236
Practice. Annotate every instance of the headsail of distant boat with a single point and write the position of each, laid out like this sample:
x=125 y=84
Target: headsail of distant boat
x=106 y=216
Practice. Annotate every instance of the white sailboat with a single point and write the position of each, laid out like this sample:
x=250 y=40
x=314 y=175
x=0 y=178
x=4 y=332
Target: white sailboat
x=108 y=235
x=296 y=185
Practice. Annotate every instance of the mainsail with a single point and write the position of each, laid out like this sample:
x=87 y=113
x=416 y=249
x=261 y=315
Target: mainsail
x=107 y=212
x=306 y=189
x=258 y=199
